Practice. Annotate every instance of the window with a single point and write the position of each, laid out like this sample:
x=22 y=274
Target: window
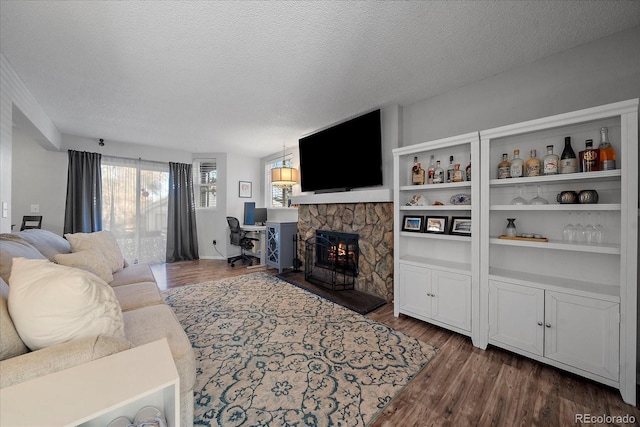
x=205 y=179
x=135 y=196
x=278 y=197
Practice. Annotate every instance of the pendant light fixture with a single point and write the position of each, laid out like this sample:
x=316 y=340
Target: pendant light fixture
x=283 y=176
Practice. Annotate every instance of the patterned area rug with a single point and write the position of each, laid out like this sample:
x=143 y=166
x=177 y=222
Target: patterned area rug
x=272 y=354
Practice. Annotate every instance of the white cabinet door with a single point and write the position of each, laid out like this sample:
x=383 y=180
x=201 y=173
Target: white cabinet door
x=451 y=296
x=516 y=316
x=415 y=290
x=583 y=332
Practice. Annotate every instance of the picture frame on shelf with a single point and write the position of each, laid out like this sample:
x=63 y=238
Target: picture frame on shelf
x=244 y=189
x=460 y=226
x=436 y=224
x=412 y=223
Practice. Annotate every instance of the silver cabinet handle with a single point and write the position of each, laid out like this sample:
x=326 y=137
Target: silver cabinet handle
x=539 y=323
x=548 y=325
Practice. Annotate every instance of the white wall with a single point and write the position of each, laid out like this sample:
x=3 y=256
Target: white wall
x=601 y=72
x=18 y=105
x=40 y=177
x=128 y=150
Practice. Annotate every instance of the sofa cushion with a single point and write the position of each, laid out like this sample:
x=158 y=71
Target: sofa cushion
x=51 y=304
x=137 y=295
x=47 y=243
x=90 y=260
x=101 y=240
x=133 y=274
x=155 y=322
x=13 y=246
x=10 y=343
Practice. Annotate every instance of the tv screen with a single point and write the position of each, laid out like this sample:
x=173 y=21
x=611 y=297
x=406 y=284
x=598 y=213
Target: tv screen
x=341 y=157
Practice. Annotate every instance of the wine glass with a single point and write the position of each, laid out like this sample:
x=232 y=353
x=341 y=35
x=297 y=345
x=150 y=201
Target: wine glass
x=569 y=230
x=588 y=230
x=538 y=200
x=578 y=236
x=519 y=200
x=600 y=232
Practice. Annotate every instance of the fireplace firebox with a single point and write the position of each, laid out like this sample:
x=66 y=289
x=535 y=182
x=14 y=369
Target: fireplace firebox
x=331 y=259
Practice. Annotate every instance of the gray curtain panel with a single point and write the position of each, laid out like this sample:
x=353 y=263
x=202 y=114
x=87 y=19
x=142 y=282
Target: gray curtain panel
x=83 y=211
x=182 y=236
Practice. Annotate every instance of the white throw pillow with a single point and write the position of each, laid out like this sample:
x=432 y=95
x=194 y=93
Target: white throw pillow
x=50 y=304
x=91 y=260
x=101 y=240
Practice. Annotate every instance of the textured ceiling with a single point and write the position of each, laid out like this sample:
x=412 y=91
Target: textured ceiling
x=246 y=77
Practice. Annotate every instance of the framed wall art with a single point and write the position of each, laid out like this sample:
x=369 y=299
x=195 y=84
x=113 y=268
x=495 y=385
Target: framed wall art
x=461 y=225
x=435 y=224
x=245 y=189
x=412 y=223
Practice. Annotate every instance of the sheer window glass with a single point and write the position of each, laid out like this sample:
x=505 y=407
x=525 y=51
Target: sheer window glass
x=205 y=179
x=134 y=197
x=278 y=197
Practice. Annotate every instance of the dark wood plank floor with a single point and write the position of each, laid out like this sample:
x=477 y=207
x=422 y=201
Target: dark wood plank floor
x=463 y=385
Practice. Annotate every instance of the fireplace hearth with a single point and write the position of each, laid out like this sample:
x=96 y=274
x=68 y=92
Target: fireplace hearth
x=331 y=259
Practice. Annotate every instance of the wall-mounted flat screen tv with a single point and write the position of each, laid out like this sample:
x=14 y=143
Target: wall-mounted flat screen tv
x=342 y=157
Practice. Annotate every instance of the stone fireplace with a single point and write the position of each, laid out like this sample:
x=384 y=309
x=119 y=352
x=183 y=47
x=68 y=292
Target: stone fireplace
x=373 y=223
x=331 y=259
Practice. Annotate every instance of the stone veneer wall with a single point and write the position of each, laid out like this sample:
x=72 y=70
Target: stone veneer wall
x=374 y=224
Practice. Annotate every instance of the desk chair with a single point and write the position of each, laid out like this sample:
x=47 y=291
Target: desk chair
x=239 y=238
x=31 y=221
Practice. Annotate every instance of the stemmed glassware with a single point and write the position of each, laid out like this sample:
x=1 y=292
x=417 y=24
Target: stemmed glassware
x=519 y=200
x=578 y=236
x=589 y=231
x=538 y=200
x=568 y=232
x=600 y=234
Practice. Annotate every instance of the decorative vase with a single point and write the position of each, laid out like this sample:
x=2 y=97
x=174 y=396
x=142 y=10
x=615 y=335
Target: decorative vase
x=511 y=228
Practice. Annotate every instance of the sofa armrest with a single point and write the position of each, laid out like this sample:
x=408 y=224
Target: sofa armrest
x=58 y=357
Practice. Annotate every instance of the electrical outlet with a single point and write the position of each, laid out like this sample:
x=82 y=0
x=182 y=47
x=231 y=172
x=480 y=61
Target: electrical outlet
x=215 y=243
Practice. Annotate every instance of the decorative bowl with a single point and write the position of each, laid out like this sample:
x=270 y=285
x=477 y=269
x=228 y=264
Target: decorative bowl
x=460 y=199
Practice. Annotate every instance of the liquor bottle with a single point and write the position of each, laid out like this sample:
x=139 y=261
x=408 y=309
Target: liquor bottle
x=438 y=174
x=589 y=157
x=503 y=167
x=468 y=170
x=568 y=159
x=550 y=162
x=516 y=167
x=431 y=170
x=533 y=165
x=607 y=152
x=418 y=175
x=450 y=170
x=458 y=174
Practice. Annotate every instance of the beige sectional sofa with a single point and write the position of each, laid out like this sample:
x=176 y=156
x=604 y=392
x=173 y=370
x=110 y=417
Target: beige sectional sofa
x=145 y=316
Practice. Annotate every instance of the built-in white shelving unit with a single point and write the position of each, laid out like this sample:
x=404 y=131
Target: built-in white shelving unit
x=436 y=274
x=571 y=305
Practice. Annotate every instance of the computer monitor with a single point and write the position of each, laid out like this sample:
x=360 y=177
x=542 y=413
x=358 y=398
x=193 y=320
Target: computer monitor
x=260 y=216
x=249 y=213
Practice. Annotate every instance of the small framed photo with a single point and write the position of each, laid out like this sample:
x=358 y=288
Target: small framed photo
x=461 y=225
x=412 y=223
x=245 y=189
x=435 y=224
